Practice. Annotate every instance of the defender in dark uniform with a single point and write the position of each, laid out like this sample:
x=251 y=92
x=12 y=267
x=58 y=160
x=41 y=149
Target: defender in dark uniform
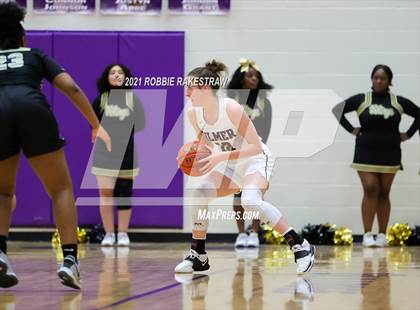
x=28 y=124
x=377 y=155
x=27 y=121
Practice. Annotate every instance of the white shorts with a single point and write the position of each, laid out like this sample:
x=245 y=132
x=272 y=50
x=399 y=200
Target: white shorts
x=237 y=170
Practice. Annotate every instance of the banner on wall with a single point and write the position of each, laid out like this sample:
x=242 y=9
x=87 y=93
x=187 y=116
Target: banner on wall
x=126 y=7
x=64 y=6
x=206 y=7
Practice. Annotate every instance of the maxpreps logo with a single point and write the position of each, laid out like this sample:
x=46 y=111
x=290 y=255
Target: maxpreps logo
x=220 y=214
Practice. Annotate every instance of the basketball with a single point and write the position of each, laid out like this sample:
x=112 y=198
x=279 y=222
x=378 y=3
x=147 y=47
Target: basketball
x=189 y=155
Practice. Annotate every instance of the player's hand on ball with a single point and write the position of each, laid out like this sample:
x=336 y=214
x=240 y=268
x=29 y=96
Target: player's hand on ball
x=103 y=135
x=189 y=155
x=179 y=157
x=210 y=162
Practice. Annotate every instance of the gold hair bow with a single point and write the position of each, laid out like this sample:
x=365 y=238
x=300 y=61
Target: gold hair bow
x=246 y=63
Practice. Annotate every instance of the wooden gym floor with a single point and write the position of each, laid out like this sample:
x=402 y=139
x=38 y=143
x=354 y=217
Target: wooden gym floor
x=142 y=277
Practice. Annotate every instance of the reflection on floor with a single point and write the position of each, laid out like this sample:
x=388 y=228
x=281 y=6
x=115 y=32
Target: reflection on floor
x=141 y=277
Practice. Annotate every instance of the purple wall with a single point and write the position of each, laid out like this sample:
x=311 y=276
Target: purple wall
x=84 y=55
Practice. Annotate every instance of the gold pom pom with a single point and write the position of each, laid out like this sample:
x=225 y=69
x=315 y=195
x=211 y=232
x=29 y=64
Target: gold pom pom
x=272 y=236
x=81 y=235
x=343 y=236
x=55 y=240
x=398 y=234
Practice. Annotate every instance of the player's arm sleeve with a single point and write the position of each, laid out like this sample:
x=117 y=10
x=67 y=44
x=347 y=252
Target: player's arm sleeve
x=49 y=66
x=139 y=115
x=348 y=105
x=413 y=110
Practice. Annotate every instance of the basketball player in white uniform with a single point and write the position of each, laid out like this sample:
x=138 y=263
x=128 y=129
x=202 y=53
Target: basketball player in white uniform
x=239 y=162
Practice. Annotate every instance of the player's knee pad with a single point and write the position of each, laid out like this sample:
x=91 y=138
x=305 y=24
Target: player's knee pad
x=123 y=188
x=252 y=201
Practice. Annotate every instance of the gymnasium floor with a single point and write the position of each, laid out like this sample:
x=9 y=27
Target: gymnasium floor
x=142 y=278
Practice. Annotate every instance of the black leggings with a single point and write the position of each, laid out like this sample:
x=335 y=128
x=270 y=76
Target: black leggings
x=123 y=188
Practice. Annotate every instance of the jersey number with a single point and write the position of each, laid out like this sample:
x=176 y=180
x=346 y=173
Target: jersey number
x=225 y=146
x=11 y=61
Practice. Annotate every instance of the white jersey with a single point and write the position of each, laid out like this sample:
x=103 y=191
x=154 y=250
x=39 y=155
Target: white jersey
x=223 y=133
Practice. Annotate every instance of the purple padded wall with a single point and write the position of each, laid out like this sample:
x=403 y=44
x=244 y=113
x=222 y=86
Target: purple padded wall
x=84 y=55
x=157 y=55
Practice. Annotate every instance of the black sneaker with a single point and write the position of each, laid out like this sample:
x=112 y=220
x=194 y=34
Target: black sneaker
x=69 y=273
x=7 y=276
x=193 y=262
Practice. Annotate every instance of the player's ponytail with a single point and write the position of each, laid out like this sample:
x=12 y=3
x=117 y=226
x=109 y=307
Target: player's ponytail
x=11 y=30
x=213 y=74
x=216 y=66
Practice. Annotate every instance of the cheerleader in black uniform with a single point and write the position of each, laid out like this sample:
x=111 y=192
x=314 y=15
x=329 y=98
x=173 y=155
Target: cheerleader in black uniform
x=28 y=124
x=377 y=156
x=259 y=110
x=121 y=114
